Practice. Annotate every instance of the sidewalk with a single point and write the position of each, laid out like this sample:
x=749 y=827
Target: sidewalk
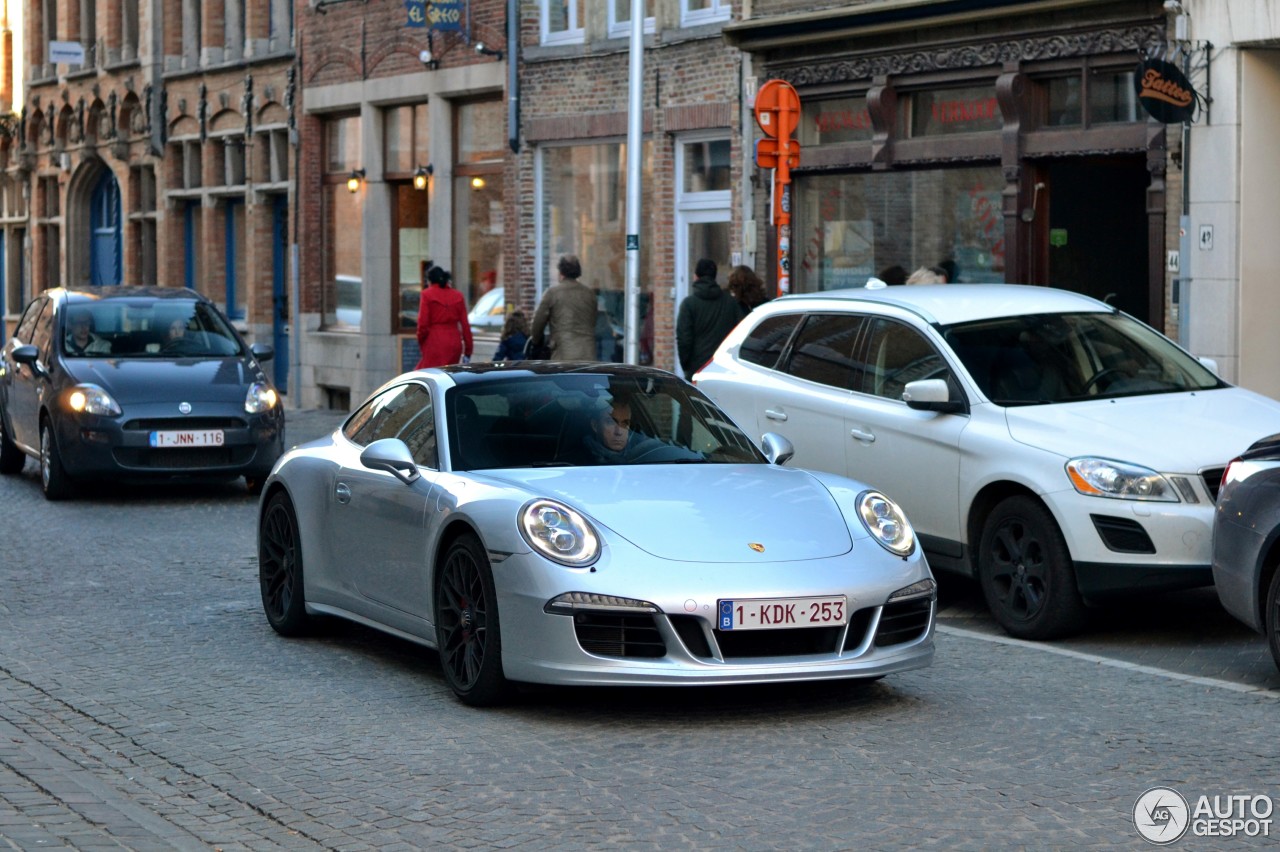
x=306 y=424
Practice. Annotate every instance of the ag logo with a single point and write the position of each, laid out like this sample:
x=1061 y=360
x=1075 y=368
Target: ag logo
x=1161 y=815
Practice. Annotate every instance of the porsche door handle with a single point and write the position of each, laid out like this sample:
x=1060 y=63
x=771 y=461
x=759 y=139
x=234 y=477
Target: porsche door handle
x=863 y=435
x=343 y=493
x=775 y=414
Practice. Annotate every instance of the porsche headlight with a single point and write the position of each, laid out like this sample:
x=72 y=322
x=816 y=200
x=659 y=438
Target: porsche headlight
x=92 y=399
x=1120 y=480
x=261 y=397
x=886 y=523
x=559 y=533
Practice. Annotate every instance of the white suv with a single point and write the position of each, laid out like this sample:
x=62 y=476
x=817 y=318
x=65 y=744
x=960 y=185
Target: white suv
x=1054 y=447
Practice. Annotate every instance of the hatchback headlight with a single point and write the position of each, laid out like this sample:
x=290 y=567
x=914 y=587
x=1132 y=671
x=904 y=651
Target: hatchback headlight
x=559 y=533
x=1119 y=480
x=92 y=399
x=261 y=397
x=886 y=522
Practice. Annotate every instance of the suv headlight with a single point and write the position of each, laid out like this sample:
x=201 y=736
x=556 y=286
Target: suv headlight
x=1119 y=480
x=559 y=533
x=261 y=397
x=886 y=523
x=93 y=400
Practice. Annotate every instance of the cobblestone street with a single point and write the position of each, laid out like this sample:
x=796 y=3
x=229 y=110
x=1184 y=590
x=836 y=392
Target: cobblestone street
x=147 y=705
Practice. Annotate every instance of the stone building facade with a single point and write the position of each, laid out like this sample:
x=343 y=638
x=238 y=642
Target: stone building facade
x=154 y=146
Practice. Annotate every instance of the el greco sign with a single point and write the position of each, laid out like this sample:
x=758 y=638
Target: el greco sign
x=1164 y=92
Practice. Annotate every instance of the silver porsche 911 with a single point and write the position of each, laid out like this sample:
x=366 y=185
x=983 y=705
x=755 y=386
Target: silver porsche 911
x=582 y=523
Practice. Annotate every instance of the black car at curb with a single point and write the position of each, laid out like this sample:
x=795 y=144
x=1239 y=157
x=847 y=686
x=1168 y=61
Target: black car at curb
x=160 y=387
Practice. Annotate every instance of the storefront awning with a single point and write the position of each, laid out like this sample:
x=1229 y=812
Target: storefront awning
x=879 y=18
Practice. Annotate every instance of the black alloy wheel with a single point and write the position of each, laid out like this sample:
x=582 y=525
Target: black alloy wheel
x=12 y=459
x=54 y=480
x=1272 y=618
x=467 y=628
x=1026 y=572
x=280 y=568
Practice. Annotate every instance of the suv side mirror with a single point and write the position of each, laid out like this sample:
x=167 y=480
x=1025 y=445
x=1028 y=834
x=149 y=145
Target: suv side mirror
x=777 y=449
x=931 y=395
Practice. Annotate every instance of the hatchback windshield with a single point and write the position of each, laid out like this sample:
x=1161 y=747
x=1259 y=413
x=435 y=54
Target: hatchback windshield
x=1045 y=358
x=146 y=328
x=547 y=421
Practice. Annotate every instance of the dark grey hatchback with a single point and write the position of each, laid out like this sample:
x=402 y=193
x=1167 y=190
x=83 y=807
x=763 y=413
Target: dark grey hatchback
x=135 y=383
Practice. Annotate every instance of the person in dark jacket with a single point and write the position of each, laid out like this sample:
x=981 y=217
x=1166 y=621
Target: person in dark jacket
x=515 y=334
x=706 y=316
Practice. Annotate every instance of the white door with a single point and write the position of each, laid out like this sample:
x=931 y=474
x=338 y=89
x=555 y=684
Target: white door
x=699 y=234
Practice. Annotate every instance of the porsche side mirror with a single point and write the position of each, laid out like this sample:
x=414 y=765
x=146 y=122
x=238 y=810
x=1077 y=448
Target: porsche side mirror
x=777 y=449
x=391 y=455
x=931 y=395
x=262 y=351
x=1211 y=364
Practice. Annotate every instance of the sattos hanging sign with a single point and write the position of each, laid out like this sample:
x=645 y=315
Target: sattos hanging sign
x=1164 y=91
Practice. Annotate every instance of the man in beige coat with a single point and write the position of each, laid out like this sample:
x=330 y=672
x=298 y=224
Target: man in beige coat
x=570 y=308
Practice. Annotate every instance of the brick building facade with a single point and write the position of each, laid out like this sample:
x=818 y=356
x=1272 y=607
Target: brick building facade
x=153 y=147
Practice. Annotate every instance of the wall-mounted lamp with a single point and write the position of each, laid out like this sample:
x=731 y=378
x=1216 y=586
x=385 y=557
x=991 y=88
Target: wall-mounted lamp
x=428 y=59
x=1029 y=213
x=421 y=175
x=477 y=182
x=353 y=180
x=488 y=51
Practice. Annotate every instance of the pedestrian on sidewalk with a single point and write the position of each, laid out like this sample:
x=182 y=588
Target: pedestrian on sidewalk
x=515 y=334
x=706 y=316
x=444 y=332
x=569 y=308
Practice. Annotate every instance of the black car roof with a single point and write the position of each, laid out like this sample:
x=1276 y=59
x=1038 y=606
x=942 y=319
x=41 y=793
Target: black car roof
x=465 y=374
x=97 y=294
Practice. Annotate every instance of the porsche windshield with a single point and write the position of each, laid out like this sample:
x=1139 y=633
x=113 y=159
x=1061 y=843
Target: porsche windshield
x=582 y=419
x=1048 y=358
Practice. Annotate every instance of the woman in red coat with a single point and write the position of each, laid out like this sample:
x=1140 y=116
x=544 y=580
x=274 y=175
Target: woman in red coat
x=444 y=333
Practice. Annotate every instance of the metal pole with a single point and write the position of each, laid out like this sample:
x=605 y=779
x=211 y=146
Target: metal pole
x=1184 y=225
x=635 y=126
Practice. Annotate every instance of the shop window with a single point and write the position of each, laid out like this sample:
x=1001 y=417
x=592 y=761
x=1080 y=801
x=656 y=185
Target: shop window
x=575 y=183
x=1065 y=109
x=235 y=269
x=343 y=290
x=850 y=226
x=834 y=120
x=1112 y=98
x=948 y=112
x=706 y=166
x=478 y=213
x=405 y=140
x=562 y=21
x=694 y=12
x=409 y=222
x=620 y=18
